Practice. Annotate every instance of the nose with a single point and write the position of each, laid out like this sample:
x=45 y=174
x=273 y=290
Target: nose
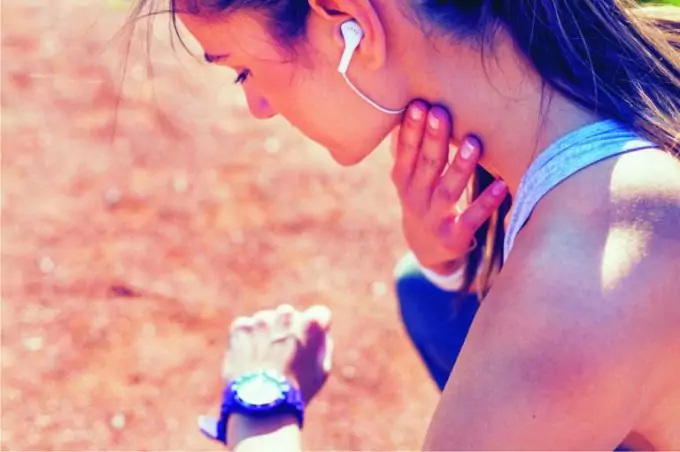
x=259 y=106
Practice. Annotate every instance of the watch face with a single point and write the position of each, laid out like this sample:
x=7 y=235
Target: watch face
x=261 y=389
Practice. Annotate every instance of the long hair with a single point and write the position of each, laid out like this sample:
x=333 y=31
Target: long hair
x=616 y=58
x=613 y=57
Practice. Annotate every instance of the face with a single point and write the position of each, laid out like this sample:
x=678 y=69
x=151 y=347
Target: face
x=303 y=84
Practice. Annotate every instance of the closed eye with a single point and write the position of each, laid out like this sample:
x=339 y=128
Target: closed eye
x=214 y=58
x=242 y=77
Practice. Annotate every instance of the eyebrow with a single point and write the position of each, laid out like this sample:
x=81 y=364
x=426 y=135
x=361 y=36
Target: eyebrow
x=212 y=58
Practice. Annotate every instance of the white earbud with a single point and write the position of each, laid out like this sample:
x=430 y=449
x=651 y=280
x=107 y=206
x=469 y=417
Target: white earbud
x=352 y=35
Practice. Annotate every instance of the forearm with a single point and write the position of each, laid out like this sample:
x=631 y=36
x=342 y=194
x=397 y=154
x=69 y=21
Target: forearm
x=280 y=433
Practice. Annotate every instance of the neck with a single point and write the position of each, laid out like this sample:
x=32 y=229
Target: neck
x=510 y=109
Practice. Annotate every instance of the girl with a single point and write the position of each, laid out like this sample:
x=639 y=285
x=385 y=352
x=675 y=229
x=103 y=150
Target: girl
x=577 y=103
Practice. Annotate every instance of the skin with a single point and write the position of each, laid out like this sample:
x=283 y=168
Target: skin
x=305 y=88
x=438 y=220
x=578 y=348
x=576 y=345
x=571 y=361
x=279 y=80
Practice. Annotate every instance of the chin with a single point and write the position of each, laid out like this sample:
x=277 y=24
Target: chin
x=340 y=153
x=345 y=157
x=351 y=154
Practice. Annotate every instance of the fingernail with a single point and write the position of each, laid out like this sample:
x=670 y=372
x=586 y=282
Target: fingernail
x=433 y=121
x=416 y=114
x=499 y=188
x=467 y=150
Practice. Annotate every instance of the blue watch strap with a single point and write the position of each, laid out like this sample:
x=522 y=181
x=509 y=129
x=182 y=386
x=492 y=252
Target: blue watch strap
x=216 y=429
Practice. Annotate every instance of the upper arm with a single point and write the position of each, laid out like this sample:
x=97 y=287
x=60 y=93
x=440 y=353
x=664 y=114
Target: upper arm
x=552 y=361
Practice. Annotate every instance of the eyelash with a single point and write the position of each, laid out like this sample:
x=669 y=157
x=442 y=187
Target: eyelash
x=242 y=77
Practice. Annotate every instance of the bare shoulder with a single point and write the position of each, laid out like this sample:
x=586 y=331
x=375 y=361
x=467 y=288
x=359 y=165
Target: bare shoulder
x=610 y=236
x=623 y=217
x=640 y=221
x=605 y=245
x=576 y=343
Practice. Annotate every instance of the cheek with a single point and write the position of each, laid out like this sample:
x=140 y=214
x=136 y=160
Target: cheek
x=258 y=105
x=348 y=128
x=271 y=84
x=322 y=107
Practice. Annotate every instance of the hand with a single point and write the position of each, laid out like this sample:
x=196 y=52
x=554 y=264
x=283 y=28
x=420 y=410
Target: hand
x=296 y=344
x=439 y=222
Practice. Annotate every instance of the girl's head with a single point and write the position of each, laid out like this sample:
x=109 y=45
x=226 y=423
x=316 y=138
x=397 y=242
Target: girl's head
x=596 y=53
x=612 y=58
x=600 y=54
x=285 y=54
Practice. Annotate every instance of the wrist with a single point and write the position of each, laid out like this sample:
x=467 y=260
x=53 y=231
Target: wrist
x=255 y=406
x=452 y=278
x=454 y=266
x=247 y=431
x=446 y=269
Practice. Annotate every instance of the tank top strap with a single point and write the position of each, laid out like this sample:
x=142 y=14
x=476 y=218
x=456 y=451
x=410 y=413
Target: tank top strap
x=564 y=158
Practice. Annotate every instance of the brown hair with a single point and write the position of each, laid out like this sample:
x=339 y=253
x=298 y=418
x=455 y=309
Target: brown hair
x=613 y=57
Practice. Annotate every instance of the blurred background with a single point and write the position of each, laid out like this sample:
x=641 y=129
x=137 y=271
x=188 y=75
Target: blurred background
x=142 y=210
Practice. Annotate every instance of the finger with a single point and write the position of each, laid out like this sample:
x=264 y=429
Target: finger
x=263 y=322
x=322 y=315
x=285 y=328
x=455 y=179
x=240 y=344
x=284 y=317
x=240 y=334
x=319 y=349
x=408 y=144
x=432 y=158
x=315 y=340
x=481 y=209
x=285 y=337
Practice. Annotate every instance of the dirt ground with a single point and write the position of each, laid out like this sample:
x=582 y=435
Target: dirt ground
x=138 y=219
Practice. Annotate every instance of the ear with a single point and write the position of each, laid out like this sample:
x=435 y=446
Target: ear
x=372 y=49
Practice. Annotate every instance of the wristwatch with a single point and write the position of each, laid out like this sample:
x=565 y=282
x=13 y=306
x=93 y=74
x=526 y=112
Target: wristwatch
x=257 y=394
